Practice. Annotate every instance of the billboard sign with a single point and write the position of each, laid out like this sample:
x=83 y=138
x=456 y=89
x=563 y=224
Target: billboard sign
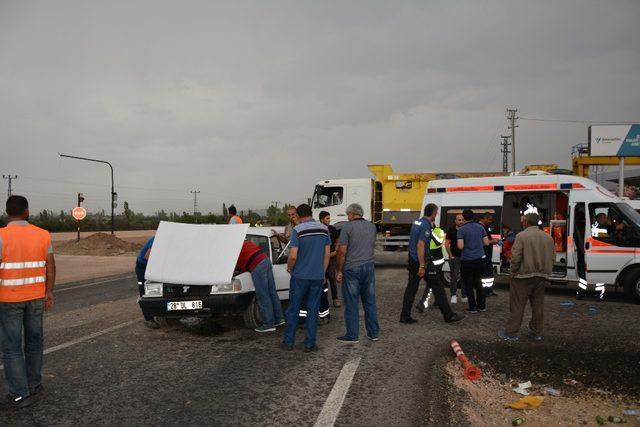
x=614 y=140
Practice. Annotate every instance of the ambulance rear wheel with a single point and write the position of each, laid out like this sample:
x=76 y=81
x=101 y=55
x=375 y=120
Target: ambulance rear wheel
x=632 y=285
x=251 y=316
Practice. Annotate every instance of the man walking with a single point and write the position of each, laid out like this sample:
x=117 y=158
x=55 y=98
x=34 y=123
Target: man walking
x=325 y=218
x=141 y=269
x=472 y=238
x=256 y=262
x=424 y=258
x=355 y=270
x=27 y=278
x=532 y=258
x=451 y=245
x=307 y=263
x=487 y=276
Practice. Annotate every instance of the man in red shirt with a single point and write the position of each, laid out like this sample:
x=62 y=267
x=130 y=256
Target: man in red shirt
x=256 y=262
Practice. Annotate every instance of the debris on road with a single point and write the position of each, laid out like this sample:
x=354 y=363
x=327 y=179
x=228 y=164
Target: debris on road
x=522 y=388
x=552 y=391
x=615 y=420
x=600 y=420
x=568 y=303
x=471 y=372
x=632 y=412
x=592 y=311
x=572 y=382
x=527 y=402
x=518 y=421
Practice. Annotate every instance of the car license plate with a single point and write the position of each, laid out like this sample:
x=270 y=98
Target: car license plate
x=184 y=305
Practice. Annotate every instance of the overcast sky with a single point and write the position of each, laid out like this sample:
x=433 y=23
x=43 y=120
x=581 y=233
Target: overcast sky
x=251 y=102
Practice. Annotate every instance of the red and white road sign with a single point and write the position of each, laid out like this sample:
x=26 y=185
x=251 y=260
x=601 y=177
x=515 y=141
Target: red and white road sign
x=79 y=213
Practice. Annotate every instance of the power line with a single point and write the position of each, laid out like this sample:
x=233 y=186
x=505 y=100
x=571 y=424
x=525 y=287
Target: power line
x=537 y=119
x=10 y=178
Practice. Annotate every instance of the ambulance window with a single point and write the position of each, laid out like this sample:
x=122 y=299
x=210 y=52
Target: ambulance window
x=327 y=196
x=448 y=215
x=610 y=223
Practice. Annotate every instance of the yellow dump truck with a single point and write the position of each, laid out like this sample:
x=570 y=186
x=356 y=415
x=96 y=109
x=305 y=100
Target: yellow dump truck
x=391 y=200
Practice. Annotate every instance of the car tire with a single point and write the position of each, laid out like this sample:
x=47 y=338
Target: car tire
x=167 y=321
x=631 y=283
x=251 y=316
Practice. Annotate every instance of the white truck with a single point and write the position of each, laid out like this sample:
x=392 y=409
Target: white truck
x=568 y=205
x=191 y=271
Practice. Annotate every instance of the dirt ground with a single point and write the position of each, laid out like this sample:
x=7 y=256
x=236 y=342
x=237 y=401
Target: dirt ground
x=135 y=236
x=98 y=244
x=74 y=268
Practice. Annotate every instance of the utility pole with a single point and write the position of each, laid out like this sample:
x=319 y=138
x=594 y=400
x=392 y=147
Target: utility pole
x=511 y=116
x=505 y=152
x=195 y=203
x=10 y=178
x=275 y=215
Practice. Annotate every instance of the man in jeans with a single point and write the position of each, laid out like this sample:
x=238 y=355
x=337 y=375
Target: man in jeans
x=256 y=262
x=355 y=270
x=472 y=238
x=451 y=245
x=308 y=260
x=532 y=258
x=27 y=277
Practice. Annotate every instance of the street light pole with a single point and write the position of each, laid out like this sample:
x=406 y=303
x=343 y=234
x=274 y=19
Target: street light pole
x=113 y=193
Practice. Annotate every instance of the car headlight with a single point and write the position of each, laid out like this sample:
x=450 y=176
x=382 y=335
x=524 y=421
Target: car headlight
x=234 y=286
x=153 y=290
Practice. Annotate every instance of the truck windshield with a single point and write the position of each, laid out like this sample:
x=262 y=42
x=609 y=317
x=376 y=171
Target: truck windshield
x=631 y=214
x=327 y=196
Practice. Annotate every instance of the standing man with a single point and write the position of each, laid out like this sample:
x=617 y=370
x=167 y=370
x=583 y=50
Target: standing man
x=27 y=278
x=472 y=238
x=307 y=263
x=325 y=218
x=235 y=218
x=356 y=272
x=532 y=258
x=288 y=229
x=451 y=245
x=487 y=276
x=256 y=262
x=141 y=268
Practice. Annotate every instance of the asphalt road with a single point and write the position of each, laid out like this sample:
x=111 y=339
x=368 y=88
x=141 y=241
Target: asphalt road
x=102 y=366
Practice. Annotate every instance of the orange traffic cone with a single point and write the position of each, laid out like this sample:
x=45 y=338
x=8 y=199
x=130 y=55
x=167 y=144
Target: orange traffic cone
x=471 y=371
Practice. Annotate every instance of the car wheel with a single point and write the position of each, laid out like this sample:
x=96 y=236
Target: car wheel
x=631 y=285
x=251 y=316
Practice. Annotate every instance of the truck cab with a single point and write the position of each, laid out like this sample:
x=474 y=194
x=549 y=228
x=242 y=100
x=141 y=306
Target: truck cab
x=334 y=195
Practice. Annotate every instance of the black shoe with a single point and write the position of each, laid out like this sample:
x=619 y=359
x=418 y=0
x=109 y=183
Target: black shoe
x=579 y=296
x=471 y=311
x=311 y=349
x=346 y=339
x=373 y=338
x=285 y=346
x=16 y=402
x=39 y=389
x=420 y=307
x=408 y=320
x=455 y=318
x=482 y=310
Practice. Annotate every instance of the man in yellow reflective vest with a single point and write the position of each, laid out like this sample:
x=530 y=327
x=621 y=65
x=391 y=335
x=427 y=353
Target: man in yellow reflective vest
x=27 y=277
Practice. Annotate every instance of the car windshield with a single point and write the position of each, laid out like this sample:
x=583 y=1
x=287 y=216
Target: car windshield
x=262 y=241
x=630 y=214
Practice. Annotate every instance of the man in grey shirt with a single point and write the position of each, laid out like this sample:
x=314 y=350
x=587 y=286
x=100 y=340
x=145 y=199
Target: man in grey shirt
x=355 y=270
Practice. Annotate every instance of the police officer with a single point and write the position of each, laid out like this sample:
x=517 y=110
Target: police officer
x=437 y=257
x=487 y=276
x=420 y=261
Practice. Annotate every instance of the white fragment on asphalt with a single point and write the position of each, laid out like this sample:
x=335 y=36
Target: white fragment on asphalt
x=522 y=388
x=86 y=337
x=333 y=404
x=70 y=288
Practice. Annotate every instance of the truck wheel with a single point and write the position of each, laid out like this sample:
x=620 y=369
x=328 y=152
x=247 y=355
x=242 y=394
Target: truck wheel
x=167 y=321
x=251 y=315
x=631 y=285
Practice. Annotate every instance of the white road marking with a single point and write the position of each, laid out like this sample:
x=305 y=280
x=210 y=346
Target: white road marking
x=86 y=337
x=70 y=288
x=333 y=404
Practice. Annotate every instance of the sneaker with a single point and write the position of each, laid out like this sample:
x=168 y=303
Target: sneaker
x=408 y=320
x=535 y=337
x=346 y=339
x=313 y=348
x=482 y=310
x=464 y=300
x=12 y=401
x=151 y=324
x=454 y=299
x=373 y=338
x=507 y=337
x=337 y=302
x=285 y=346
x=265 y=328
x=471 y=310
x=280 y=323
x=455 y=318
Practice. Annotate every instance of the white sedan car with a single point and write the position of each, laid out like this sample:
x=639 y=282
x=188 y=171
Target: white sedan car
x=191 y=271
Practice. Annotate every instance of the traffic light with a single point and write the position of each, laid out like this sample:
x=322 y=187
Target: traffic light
x=80 y=199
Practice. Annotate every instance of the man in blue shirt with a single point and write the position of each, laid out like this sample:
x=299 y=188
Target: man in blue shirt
x=472 y=238
x=308 y=260
x=141 y=268
x=419 y=262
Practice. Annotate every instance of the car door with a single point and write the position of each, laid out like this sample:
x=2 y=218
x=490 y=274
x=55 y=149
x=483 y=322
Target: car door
x=280 y=273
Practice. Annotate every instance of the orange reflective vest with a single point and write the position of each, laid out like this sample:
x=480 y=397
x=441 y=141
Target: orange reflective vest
x=237 y=219
x=23 y=272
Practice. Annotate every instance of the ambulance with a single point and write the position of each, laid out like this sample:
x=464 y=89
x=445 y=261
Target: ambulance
x=575 y=211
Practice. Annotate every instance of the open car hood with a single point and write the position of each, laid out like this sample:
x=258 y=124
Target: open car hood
x=195 y=254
